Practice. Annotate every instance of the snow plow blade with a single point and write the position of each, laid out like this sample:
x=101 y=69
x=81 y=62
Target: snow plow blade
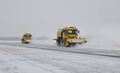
x=77 y=41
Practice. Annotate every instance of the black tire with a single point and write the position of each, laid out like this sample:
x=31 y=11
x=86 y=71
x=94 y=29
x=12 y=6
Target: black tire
x=22 y=41
x=73 y=44
x=59 y=41
x=69 y=45
x=85 y=41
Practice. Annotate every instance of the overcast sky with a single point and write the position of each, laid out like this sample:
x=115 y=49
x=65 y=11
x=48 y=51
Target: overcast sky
x=41 y=17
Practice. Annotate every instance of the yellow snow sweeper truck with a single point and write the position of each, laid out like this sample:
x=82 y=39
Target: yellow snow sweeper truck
x=69 y=36
x=26 y=38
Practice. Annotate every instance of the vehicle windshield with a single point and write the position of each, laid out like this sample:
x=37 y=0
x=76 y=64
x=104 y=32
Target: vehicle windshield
x=71 y=31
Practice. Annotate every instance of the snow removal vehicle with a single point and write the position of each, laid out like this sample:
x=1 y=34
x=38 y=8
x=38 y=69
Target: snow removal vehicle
x=69 y=36
x=26 y=38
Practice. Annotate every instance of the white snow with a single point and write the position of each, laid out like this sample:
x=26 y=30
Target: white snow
x=16 y=64
x=31 y=60
x=101 y=54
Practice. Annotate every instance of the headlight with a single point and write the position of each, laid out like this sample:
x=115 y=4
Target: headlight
x=78 y=37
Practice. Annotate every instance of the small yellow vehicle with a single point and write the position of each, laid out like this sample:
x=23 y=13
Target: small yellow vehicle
x=26 y=38
x=69 y=36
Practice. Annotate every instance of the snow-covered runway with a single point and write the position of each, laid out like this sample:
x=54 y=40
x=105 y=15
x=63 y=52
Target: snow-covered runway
x=76 y=49
x=40 y=58
x=29 y=60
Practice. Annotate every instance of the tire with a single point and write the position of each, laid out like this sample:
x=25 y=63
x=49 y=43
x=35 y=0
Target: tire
x=23 y=41
x=69 y=44
x=59 y=41
x=73 y=44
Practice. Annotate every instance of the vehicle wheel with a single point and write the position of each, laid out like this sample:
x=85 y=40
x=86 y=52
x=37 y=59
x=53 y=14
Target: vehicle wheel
x=85 y=41
x=59 y=41
x=23 y=41
x=73 y=44
x=67 y=44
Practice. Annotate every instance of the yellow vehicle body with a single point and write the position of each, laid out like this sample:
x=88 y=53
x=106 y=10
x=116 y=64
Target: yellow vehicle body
x=26 y=38
x=68 y=36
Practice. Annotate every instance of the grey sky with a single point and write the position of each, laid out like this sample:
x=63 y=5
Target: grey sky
x=42 y=17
